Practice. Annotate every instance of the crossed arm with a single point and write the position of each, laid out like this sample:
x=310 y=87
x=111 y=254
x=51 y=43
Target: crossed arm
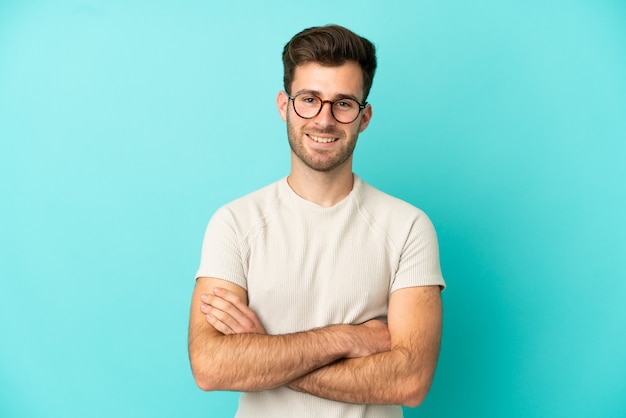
x=371 y=363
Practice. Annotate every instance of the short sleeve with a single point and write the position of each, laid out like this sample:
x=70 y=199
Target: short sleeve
x=419 y=258
x=221 y=256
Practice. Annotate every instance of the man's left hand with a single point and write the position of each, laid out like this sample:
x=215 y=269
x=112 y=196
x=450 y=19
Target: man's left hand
x=229 y=314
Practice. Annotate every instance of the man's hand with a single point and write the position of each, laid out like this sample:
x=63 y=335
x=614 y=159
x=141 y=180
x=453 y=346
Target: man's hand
x=371 y=337
x=229 y=314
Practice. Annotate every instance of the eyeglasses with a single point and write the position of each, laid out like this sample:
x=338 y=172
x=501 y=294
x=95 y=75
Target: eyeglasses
x=307 y=106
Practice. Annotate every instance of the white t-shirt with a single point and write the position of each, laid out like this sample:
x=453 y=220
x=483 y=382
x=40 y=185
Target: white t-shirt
x=305 y=266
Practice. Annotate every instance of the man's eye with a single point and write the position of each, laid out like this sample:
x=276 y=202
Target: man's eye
x=308 y=100
x=344 y=104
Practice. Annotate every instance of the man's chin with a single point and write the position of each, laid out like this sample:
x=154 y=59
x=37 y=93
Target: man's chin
x=323 y=166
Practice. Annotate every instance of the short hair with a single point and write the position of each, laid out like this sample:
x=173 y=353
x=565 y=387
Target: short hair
x=330 y=45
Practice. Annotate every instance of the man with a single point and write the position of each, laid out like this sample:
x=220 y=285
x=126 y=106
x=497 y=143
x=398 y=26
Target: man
x=318 y=295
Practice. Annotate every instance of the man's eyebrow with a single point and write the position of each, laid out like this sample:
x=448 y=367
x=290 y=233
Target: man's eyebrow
x=337 y=96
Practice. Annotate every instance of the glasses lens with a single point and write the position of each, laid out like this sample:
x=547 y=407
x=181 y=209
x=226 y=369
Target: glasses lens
x=307 y=106
x=345 y=110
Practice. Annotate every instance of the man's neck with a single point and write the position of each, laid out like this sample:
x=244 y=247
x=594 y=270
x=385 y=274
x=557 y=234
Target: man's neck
x=321 y=187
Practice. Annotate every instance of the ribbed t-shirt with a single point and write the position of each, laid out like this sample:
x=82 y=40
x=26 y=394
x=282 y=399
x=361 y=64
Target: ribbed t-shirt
x=305 y=266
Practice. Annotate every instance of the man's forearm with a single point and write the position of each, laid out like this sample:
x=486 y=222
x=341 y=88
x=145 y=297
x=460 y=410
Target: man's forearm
x=384 y=378
x=402 y=375
x=229 y=350
x=254 y=362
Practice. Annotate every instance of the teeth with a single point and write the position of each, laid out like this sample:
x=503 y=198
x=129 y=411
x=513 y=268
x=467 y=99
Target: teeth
x=322 y=140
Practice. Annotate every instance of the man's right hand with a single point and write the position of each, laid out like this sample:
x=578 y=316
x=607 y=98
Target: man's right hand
x=371 y=337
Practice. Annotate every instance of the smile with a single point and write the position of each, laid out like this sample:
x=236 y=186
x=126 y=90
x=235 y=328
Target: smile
x=322 y=139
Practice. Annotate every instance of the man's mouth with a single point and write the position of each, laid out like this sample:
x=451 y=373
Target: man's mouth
x=321 y=139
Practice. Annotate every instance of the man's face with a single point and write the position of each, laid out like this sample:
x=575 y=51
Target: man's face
x=322 y=143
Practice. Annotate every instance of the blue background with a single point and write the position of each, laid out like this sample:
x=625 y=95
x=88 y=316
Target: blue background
x=124 y=125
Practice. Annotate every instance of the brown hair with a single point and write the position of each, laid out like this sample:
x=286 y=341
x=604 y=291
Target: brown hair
x=329 y=45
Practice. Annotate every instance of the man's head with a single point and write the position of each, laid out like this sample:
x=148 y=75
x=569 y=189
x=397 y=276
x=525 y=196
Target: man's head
x=328 y=75
x=330 y=46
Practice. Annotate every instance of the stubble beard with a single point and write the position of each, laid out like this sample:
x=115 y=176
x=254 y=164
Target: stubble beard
x=316 y=163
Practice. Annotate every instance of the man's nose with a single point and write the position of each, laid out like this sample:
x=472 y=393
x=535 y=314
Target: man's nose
x=325 y=117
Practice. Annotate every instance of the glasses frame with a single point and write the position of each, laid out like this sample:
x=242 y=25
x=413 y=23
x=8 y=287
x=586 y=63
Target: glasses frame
x=332 y=102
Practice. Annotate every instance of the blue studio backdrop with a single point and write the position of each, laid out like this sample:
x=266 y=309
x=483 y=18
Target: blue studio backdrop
x=125 y=124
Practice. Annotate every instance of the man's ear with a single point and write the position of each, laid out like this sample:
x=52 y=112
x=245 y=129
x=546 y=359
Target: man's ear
x=282 y=100
x=365 y=118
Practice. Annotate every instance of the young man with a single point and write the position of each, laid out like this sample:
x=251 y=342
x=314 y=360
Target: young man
x=318 y=295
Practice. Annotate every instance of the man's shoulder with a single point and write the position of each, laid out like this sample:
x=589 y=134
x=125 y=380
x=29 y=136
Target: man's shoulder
x=377 y=202
x=254 y=205
x=399 y=221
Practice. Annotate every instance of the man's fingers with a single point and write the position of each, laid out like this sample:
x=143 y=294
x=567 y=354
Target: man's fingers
x=219 y=325
x=237 y=307
x=225 y=322
x=224 y=305
x=230 y=297
x=372 y=338
x=228 y=314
